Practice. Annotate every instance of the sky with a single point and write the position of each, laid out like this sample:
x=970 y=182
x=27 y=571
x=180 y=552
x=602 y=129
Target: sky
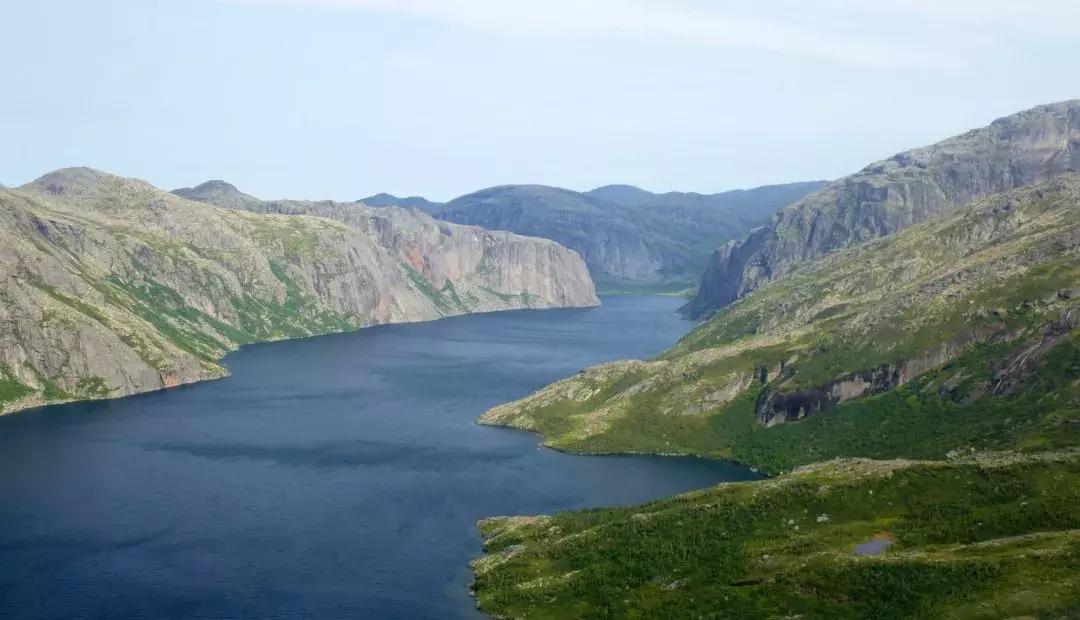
x=346 y=98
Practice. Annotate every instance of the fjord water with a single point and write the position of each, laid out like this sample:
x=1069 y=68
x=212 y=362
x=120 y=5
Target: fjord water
x=334 y=477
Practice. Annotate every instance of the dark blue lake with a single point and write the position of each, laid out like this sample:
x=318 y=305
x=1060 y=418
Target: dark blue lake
x=335 y=477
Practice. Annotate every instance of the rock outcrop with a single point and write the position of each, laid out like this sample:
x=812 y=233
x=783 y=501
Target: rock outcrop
x=893 y=194
x=109 y=286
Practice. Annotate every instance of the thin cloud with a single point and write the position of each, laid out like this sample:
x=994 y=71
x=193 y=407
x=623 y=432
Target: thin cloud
x=642 y=19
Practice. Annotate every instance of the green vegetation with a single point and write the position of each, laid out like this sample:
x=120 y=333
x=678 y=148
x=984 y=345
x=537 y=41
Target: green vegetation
x=903 y=343
x=50 y=391
x=77 y=304
x=914 y=421
x=956 y=338
x=11 y=389
x=92 y=387
x=296 y=236
x=445 y=300
x=166 y=310
x=973 y=538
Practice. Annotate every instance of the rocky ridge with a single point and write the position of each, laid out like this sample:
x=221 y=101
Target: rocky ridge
x=895 y=193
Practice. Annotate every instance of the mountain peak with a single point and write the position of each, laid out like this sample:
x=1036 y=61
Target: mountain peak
x=216 y=185
x=74 y=180
x=622 y=194
x=218 y=193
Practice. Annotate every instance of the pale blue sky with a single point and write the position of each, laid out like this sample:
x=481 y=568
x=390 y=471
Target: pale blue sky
x=345 y=98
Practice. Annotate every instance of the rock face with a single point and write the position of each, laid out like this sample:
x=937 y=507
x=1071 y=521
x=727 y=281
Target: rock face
x=893 y=194
x=628 y=237
x=109 y=286
x=458 y=267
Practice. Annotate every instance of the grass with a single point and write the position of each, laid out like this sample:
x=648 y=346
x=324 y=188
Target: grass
x=785 y=547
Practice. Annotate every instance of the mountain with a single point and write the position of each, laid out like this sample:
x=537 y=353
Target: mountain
x=958 y=332
x=414 y=202
x=917 y=397
x=451 y=262
x=757 y=204
x=629 y=238
x=111 y=286
x=890 y=195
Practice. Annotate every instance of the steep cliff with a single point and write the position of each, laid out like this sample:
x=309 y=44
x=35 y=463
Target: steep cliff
x=458 y=267
x=630 y=238
x=109 y=286
x=893 y=194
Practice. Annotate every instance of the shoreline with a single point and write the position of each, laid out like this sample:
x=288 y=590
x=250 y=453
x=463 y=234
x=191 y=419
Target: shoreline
x=26 y=404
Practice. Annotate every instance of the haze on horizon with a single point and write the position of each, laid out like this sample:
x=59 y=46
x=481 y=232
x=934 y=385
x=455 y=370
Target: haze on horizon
x=345 y=98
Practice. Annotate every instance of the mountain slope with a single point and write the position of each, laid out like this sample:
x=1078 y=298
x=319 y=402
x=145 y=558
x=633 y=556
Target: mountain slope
x=895 y=193
x=956 y=340
x=958 y=332
x=452 y=262
x=630 y=238
x=110 y=286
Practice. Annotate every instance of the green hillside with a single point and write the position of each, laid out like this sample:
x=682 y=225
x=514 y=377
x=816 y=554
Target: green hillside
x=949 y=353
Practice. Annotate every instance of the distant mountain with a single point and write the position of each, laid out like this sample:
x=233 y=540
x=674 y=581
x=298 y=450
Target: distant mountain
x=890 y=195
x=218 y=193
x=630 y=238
x=415 y=202
x=759 y=202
